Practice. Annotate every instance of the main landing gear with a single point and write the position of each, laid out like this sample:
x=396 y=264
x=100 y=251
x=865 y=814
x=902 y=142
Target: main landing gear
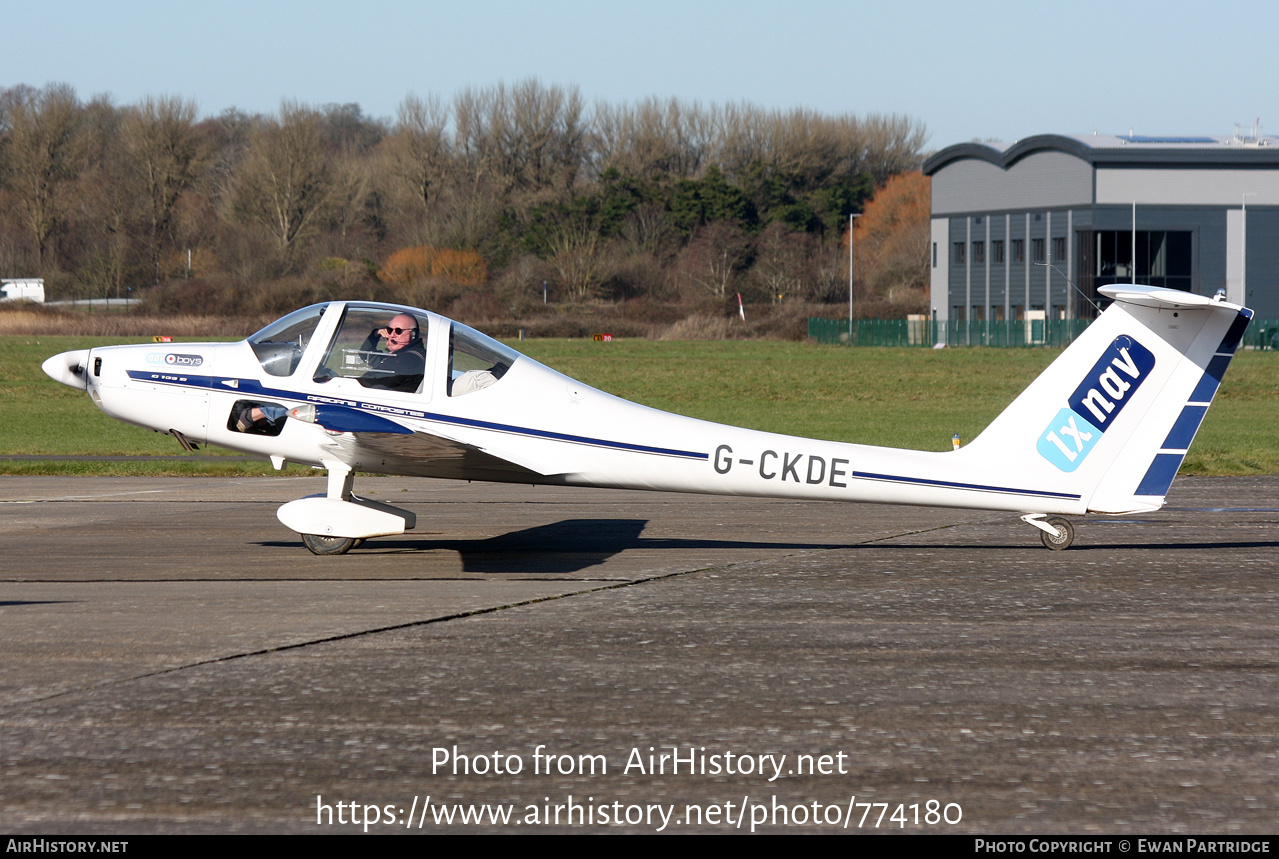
x=1056 y=533
x=331 y=545
x=338 y=521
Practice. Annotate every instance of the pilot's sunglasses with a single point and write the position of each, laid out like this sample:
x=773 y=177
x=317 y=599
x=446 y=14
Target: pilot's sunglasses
x=400 y=330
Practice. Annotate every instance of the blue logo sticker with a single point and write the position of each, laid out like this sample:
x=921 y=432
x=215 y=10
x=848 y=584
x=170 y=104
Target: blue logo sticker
x=1112 y=382
x=1068 y=440
x=1096 y=403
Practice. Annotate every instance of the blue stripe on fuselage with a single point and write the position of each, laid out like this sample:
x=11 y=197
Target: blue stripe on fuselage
x=255 y=388
x=951 y=484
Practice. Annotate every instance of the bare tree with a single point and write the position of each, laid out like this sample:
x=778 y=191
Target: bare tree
x=168 y=154
x=548 y=139
x=893 y=144
x=647 y=230
x=352 y=178
x=416 y=158
x=652 y=140
x=285 y=181
x=525 y=138
x=805 y=149
x=577 y=257
x=43 y=155
x=740 y=141
x=715 y=255
x=782 y=262
x=346 y=128
x=104 y=220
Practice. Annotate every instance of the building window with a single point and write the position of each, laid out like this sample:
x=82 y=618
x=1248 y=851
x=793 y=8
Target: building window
x=934 y=254
x=979 y=253
x=959 y=313
x=1038 y=247
x=961 y=255
x=1059 y=249
x=1162 y=258
x=997 y=250
x=1019 y=250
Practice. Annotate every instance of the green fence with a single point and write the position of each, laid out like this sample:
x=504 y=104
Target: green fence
x=923 y=332
x=1262 y=333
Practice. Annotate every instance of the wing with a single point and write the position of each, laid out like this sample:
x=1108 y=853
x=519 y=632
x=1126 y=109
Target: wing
x=377 y=443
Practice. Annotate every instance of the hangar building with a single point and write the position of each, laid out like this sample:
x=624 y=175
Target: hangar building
x=1014 y=224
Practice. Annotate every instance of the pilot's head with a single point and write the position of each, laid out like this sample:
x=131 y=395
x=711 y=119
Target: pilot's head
x=400 y=332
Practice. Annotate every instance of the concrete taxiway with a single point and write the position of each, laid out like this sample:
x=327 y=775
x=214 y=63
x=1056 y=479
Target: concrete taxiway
x=173 y=660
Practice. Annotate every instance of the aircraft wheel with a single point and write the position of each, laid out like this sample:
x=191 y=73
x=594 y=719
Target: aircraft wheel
x=329 y=545
x=1065 y=535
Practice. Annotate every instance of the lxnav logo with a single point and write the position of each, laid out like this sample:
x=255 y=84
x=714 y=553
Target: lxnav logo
x=1096 y=403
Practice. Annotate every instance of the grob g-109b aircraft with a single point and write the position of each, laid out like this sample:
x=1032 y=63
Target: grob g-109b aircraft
x=355 y=386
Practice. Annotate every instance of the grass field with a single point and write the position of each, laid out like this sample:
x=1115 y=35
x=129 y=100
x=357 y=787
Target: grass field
x=915 y=398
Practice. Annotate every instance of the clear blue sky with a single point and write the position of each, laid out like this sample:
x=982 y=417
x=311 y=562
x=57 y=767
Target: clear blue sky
x=998 y=70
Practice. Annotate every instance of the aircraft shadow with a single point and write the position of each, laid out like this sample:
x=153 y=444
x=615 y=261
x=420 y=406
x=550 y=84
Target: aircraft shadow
x=568 y=546
x=1078 y=546
x=1237 y=544
x=36 y=602
x=573 y=545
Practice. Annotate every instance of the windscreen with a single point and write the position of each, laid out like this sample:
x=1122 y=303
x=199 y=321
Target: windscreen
x=280 y=345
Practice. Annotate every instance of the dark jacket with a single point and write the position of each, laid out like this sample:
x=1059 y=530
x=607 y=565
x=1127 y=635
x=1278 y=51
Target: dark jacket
x=395 y=371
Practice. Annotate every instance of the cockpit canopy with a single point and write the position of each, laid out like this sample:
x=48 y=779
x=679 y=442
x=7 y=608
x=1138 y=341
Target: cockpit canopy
x=383 y=346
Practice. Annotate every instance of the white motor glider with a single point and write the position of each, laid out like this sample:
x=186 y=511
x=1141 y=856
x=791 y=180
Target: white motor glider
x=355 y=386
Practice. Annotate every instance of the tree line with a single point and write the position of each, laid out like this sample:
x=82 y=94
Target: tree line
x=520 y=187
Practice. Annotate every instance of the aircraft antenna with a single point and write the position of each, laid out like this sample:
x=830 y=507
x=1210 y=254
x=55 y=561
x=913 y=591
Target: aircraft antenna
x=1072 y=284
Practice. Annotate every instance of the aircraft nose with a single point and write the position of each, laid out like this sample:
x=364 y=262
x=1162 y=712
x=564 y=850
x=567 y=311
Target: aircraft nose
x=69 y=368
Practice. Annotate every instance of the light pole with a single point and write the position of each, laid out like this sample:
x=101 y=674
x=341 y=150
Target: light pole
x=850 y=277
x=1132 y=267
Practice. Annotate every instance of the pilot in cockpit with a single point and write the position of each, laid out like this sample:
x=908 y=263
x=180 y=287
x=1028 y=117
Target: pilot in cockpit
x=403 y=364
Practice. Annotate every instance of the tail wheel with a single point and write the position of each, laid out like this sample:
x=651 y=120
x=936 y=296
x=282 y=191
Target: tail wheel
x=1062 y=540
x=329 y=545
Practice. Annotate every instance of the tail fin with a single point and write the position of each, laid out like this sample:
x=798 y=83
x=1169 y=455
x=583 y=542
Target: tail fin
x=1115 y=414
